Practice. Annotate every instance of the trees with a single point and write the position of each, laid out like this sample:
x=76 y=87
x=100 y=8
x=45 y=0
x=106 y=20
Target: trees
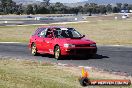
x=42 y=10
x=45 y=7
x=10 y=7
x=103 y=9
x=88 y=8
x=35 y=9
x=115 y=10
x=18 y=9
x=29 y=9
x=130 y=7
x=118 y=7
x=125 y=6
x=93 y=8
x=109 y=8
x=47 y=2
x=59 y=8
x=7 y=6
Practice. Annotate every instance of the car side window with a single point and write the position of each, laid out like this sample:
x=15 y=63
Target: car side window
x=42 y=33
x=37 y=31
x=57 y=33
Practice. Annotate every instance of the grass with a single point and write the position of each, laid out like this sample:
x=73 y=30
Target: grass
x=16 y=33
x=33 y=74
x=103 y=30
x=30 y=74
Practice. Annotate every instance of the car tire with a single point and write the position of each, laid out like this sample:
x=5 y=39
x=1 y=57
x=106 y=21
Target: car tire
x=57 y=53
x=34 y=50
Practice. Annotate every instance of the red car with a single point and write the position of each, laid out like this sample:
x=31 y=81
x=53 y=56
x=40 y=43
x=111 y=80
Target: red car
x=60 y=41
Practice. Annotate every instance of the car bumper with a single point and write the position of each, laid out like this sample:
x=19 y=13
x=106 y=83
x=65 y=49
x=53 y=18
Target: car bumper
x=29 y=45
x=79 y=51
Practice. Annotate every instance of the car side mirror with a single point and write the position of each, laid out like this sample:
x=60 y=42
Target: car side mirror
x=83 y=36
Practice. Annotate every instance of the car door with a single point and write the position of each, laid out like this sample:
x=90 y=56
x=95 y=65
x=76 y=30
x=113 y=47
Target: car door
x=40 y=41
x=49 y=40
x=50 y=45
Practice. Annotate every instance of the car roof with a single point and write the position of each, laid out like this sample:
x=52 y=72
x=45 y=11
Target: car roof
x=52 y=27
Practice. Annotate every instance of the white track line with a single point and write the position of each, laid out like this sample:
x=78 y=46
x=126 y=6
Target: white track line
x=52 y=23
x=116 y=45
x=9 y=42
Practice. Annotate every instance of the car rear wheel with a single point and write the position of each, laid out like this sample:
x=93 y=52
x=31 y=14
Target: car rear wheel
x=57 y=52
x=34 y=50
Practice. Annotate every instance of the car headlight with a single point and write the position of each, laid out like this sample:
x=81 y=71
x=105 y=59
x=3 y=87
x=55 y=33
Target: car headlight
x=93 y=45
x=69 y=45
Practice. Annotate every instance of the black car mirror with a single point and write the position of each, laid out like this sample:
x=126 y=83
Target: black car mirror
x=83 y=36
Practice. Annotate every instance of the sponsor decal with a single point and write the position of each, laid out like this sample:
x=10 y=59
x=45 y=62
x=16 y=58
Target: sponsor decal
x=86 y=81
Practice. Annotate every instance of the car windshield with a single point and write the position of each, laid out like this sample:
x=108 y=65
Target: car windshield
x=67 y=33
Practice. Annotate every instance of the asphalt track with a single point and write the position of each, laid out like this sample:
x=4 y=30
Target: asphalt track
x=110 y=58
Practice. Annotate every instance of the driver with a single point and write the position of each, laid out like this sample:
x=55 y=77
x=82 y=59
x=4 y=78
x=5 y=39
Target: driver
x=49 y=33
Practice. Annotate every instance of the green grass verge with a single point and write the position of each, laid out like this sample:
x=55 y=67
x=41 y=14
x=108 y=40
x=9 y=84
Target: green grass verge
x=32 y=74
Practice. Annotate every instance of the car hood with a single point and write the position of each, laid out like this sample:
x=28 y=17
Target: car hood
x=79 y=41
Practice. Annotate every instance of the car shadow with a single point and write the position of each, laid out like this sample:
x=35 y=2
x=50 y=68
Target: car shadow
x=97 y=56
x=46 y=55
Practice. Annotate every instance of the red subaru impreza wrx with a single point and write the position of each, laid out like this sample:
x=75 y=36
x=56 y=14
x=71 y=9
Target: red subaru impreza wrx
x=60 y=41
